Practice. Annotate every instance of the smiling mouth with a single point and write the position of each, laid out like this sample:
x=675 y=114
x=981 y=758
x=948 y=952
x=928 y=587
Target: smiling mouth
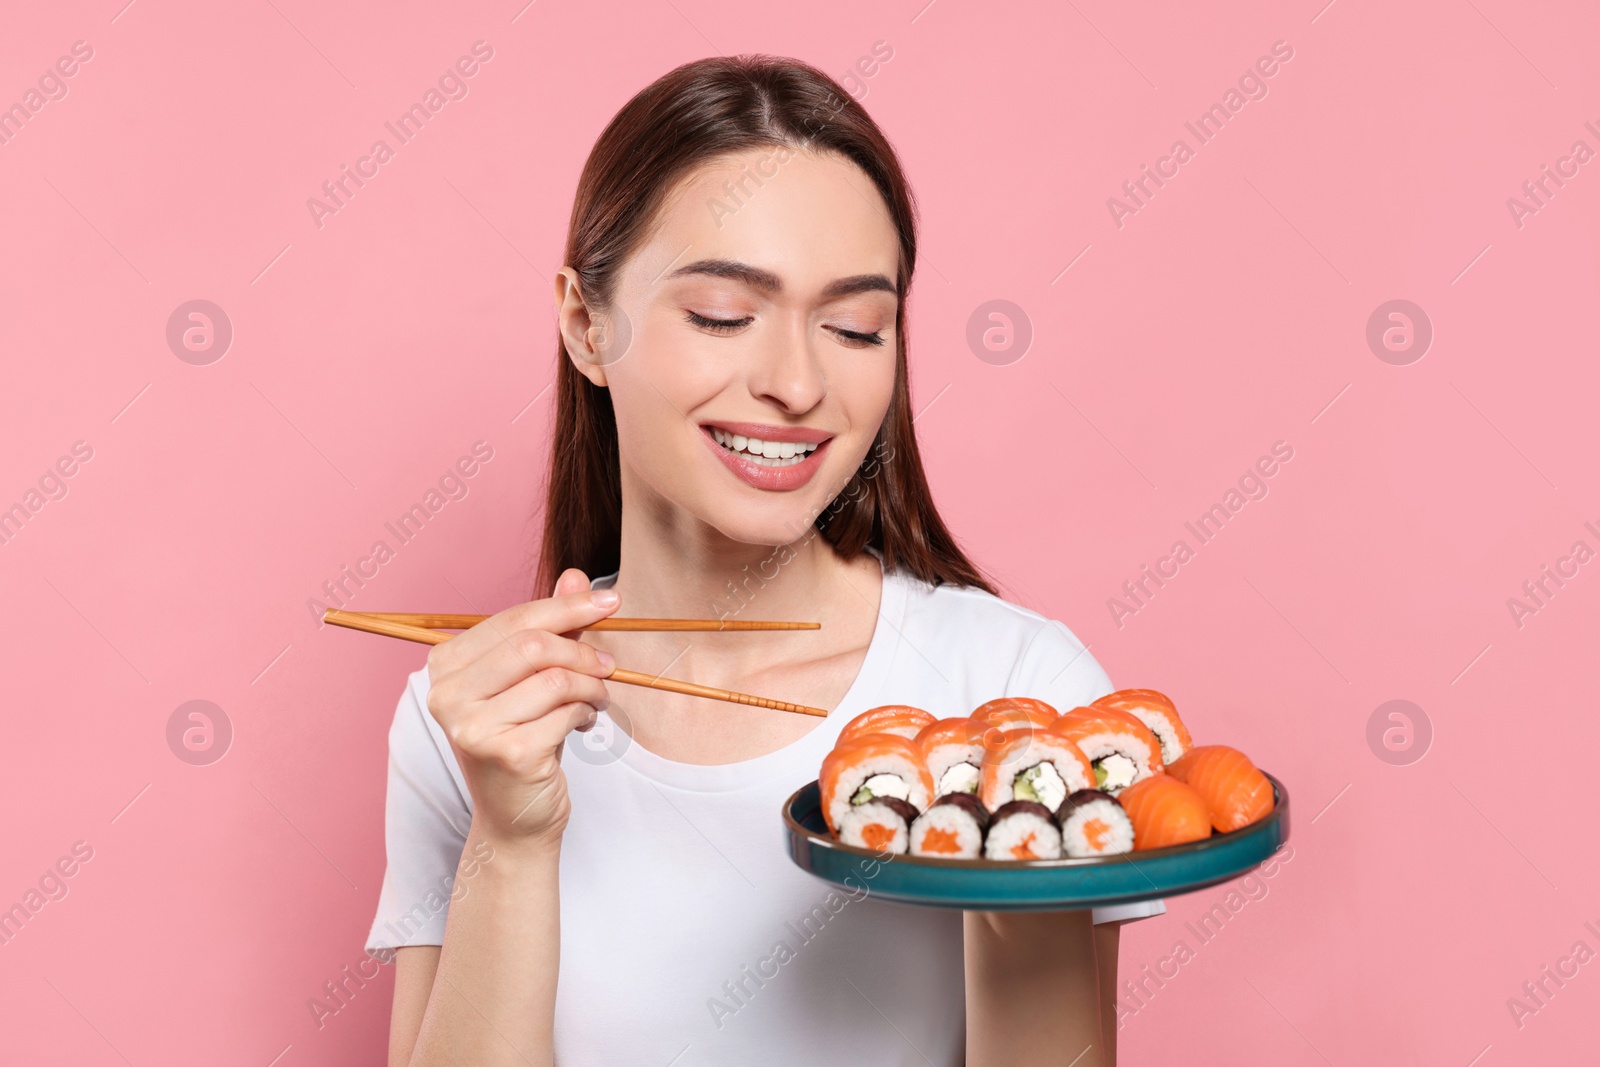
x=763 y=453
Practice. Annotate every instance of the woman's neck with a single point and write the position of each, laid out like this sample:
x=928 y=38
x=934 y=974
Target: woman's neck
x=689 y=570
x=674 y=566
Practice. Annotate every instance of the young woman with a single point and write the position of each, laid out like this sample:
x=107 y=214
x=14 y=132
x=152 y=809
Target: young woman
x=584 y=876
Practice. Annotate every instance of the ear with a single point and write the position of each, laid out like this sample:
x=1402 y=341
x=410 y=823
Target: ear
x=583 y=332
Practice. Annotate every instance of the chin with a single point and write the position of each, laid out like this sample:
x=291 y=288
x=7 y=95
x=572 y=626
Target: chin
x=770 y=525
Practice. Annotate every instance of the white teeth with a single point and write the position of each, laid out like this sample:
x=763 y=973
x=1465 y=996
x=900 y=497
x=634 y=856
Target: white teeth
x=764 y=453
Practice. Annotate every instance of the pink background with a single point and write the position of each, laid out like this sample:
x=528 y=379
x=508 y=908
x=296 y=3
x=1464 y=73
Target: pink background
x=1227 y=314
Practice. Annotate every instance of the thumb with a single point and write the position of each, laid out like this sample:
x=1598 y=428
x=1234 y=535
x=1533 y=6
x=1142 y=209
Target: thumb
x=572 y=580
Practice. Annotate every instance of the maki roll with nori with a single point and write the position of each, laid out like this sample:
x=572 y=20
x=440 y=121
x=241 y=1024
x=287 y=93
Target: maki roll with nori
x=1022 y=830
x=952 y=828
x=882 y=824
x=1094 y=824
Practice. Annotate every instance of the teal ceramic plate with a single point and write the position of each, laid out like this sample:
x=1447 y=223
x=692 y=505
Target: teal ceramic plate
x=1030 y=885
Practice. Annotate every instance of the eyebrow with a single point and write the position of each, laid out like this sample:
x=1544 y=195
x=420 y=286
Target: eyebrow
x=768 y=282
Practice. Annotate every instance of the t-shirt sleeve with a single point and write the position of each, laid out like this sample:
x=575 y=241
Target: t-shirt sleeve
x=426 y=818
x=1058 y=669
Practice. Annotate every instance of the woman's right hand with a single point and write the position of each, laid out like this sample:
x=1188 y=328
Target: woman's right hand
x=507 y=692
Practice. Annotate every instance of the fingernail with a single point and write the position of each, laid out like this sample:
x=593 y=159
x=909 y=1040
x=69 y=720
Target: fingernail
x=604 y=598
x=608 y=662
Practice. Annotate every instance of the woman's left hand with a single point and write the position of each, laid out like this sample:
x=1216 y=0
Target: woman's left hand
x=1033 y=990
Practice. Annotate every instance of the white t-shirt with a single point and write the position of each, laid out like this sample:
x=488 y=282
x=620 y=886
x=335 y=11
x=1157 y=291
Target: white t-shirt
x=688 y=936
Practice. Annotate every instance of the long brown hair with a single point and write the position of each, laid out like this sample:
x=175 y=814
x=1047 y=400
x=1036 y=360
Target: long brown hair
x=689 y=116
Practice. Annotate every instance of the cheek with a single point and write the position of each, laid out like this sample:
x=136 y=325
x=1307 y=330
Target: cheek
x=864 y=386
x=658 y=380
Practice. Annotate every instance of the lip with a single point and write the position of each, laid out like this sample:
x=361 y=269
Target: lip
x=772 y=479
x=761 y=430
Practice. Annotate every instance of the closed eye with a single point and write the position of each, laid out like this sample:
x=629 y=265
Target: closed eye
x=705 y=322
x=720 y=325
x=861 y=338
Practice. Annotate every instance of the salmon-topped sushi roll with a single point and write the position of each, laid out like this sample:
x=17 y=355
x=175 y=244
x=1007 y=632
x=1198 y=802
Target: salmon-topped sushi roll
x=954 y=751
x=902 y=719
x=1235 y=792
x=1164 y=812
x=1121 y=749
x=1158 y=713
x=1015 y=713
x=870 y=766
x=1036 y=765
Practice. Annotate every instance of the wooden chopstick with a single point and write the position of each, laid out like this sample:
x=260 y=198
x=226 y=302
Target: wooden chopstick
x=406 y=632
x=464 y=622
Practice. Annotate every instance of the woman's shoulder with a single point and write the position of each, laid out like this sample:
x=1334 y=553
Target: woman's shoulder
x=998 y=647
x=419 y=752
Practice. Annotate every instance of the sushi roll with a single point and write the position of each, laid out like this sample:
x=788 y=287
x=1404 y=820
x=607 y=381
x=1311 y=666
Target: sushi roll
x=1164 y=812
x=954 y=751
x=882 y=824
x=951 y=829
x=1121 y=749
x=1036 y=765
x=1094 y=824
x=1235 y=792
x=1158 y=713
x=900 y=719
x=1022 y=830
x=1015 y=713
x=870 y=767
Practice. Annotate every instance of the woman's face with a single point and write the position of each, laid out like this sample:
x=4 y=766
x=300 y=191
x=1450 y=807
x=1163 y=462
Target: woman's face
x=754 y=357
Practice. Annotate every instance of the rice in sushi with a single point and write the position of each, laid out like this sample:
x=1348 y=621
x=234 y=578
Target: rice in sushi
x=882 y=824
x=1022 y=830
x=1157 y=712
x=870 y=767
x=954 y=751
x=1036 y=765
x=1121 y=749
x=1094 y=824
x=952 y=828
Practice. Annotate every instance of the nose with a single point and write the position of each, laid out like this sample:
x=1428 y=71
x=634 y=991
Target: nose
x=789 y=371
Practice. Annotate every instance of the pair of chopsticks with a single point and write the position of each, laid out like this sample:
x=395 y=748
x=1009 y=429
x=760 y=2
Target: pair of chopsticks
x=425 y=629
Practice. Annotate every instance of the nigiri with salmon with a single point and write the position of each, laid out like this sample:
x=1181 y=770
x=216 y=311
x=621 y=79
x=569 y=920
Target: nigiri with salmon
x=1236 y=794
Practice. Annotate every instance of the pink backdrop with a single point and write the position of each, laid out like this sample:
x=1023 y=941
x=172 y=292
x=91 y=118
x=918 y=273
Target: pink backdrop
x=1174 y=342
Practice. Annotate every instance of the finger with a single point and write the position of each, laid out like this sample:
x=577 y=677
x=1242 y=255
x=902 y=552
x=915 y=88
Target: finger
x=572 y=580
x=538 y=696
x=551 y=729
x=519 y=656
x=560 y=614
